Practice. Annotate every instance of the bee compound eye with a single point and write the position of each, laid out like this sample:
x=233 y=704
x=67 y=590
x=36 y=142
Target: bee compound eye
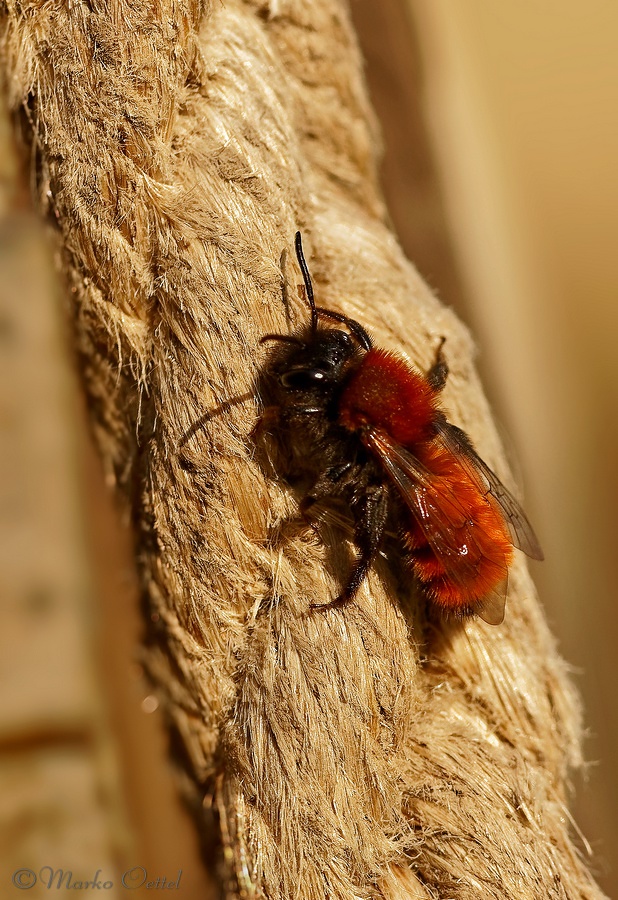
x=302 y=379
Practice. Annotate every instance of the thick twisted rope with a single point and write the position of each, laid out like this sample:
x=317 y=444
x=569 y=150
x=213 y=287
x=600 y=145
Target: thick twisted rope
x=364 y=752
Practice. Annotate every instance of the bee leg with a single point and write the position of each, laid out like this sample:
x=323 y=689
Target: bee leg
x=271 y=416
x=370 y=514
x=305 y=507
x=370 y=519
x=336 y=473
x=327 y=487
x=438 y=373
x=212 y=414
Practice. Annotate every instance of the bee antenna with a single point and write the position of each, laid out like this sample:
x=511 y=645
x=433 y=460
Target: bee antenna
x=307 y=279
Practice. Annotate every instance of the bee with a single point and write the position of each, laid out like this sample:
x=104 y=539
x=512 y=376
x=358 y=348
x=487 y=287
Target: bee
x=363 y=428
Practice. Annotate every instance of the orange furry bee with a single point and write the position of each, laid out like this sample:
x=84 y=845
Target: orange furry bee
x=361 y=426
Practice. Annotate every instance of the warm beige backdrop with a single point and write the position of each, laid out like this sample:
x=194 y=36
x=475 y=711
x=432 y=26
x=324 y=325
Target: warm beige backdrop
x=520 y=161
x=506 y=196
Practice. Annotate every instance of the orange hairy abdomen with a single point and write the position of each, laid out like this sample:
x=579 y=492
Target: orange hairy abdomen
x=487 y=558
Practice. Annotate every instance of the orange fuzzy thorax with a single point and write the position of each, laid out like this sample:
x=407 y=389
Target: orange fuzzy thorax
x=386 y=392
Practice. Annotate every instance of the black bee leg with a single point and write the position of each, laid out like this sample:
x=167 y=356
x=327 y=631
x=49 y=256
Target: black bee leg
x=370 y=514
x=438 y=373
x=306 y=505
x=336 y=473
x=271 y=416
x=325 y=486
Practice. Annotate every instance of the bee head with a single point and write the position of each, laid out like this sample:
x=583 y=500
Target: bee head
x=313 y=367
x=310 y=365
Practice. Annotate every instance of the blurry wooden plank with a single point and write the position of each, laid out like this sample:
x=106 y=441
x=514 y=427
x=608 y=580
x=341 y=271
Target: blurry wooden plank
x=166 y=838
x=60 y=800
x=408 y=171
x=83 y=751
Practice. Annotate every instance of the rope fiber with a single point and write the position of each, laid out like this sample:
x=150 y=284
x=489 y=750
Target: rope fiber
x=364 y=752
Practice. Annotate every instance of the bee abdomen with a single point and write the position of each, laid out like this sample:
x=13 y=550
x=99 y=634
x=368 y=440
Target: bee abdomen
x=464 y=584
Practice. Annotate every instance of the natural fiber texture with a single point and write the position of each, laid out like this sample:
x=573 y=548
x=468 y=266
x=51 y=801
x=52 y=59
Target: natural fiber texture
x=361 y=752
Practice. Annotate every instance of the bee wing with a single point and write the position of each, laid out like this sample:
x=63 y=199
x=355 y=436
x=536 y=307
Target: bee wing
x=491 y=607
x=443 y=519
x=520 y=530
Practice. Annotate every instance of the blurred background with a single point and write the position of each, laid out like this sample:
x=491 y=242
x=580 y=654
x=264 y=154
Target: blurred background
x=500 y=124
x=500 y=170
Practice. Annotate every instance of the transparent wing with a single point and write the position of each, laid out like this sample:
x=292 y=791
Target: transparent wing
x=445 y=522
x=491 y=607
x=520 y=530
